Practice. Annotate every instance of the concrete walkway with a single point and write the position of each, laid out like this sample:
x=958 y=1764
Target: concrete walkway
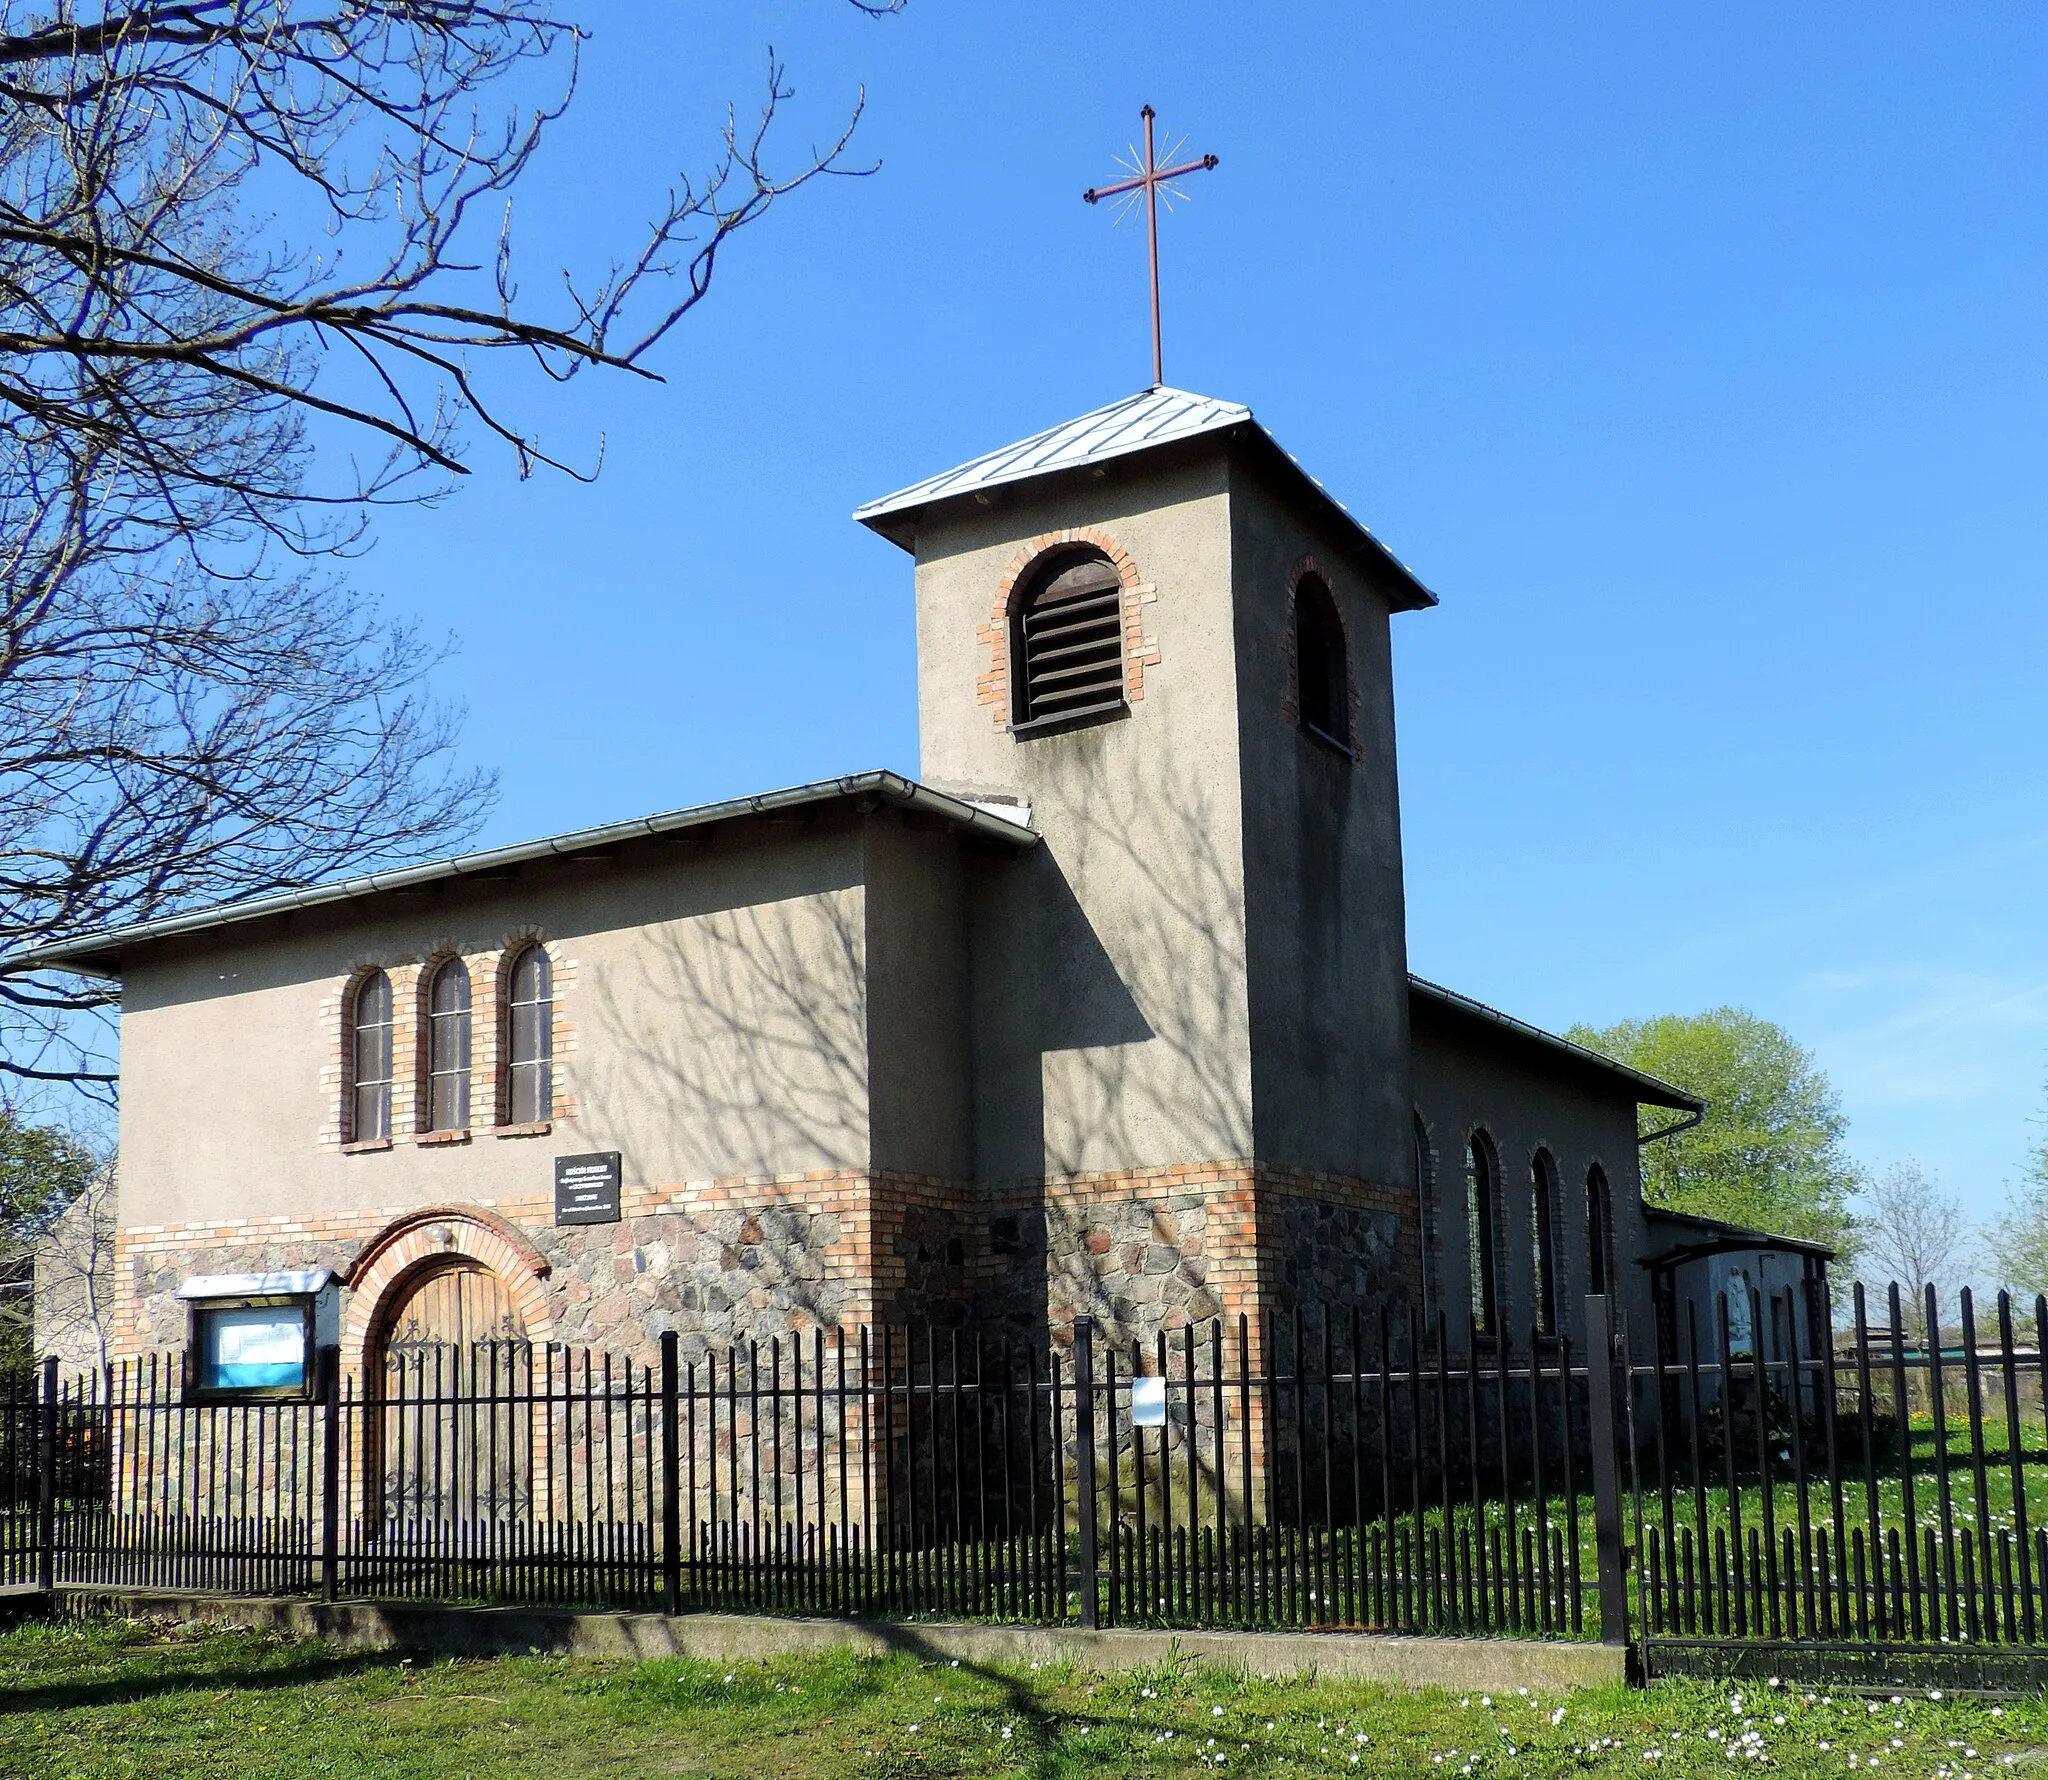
x=1493 y=1664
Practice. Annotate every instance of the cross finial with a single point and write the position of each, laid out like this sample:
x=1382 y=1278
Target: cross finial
x=1151 y=179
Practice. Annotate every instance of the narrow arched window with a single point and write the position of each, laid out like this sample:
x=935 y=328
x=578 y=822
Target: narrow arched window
x=1425 y=1226
x=1542 y=1240
x=529 y=1039
x=448 y=1048
x=370 y=1059
x=1599 y=1233
x=1322 y=665
x=1481 y=1184
x=1067 y=641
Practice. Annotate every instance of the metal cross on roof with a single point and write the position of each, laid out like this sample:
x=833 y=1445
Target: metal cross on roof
x=1151 y=179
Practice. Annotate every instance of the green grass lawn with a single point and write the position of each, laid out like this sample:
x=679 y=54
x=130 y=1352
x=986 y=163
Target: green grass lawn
x=121 y=1698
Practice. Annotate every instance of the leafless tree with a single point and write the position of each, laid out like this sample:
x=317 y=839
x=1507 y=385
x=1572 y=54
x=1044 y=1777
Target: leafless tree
x=70 y=1256
x=191 y=708
x=1912 y=1232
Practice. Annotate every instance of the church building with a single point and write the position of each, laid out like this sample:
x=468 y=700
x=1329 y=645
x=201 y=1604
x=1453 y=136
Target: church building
x=1108 y=1014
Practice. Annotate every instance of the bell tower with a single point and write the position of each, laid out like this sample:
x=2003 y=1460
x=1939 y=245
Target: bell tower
x=1151 y=635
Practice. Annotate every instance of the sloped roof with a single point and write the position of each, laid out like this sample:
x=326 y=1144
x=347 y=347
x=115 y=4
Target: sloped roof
x=1144 y=422
x=1717 y=1235
x=99 y=954
x=1137 y=423
x=1649 y=1089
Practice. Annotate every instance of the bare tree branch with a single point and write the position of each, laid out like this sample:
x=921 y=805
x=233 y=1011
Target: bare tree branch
x=192 y=708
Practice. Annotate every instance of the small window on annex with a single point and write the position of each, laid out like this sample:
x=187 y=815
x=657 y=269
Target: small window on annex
x=1322 y=665
x=448 y=1048
x=1481 y=1195
x=1543 y=1240
x=1067 y=642
x=529 y=1039
x=369 y=1112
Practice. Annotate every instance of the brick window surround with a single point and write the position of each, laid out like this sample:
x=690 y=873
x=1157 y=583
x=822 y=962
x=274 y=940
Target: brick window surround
x=1304 y=568
x=489 y=967
x=1140 y=650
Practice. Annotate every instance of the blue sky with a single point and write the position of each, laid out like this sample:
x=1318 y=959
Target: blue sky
x=1697 y=357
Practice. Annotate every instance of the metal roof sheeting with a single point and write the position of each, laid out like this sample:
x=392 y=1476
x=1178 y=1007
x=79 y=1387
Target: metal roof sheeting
x=1137 y=423
x=1143 y=422
x=98 y=954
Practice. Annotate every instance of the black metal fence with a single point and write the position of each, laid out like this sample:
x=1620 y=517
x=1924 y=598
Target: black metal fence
x=1321 y=1471
x=1882 y=1487
x=1873 y=1486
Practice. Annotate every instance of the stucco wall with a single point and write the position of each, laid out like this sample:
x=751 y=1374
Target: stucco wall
x=714 y=1009
x=1466 y=1080
x=1109 y=983
x=919 y=1032
x=1322 y=838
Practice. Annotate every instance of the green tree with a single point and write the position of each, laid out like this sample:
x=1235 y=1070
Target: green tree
x=43 y=1170
x=1768 y=1153
x=2017 y=1241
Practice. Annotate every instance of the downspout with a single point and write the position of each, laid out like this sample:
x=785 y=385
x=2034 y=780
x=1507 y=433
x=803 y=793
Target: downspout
x=1685 y=1124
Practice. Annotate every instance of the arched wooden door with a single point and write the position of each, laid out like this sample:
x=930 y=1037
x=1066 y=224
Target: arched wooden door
x=454 y=1305
x=453 y=1381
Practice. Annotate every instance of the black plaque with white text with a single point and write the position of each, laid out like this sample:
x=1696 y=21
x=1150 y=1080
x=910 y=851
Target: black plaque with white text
x=587 y=1188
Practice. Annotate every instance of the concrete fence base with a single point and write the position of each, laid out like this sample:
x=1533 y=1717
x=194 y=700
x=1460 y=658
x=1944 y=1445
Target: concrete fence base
x=1493 y=1664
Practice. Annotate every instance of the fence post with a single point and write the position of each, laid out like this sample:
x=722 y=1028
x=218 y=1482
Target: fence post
x=330 y=1473
x=1084 y=1492
x=1606 y=1473
x=46 y=1482
x=671 y=1480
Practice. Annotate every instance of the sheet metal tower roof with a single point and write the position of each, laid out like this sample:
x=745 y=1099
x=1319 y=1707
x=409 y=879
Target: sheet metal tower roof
x=1144 y=422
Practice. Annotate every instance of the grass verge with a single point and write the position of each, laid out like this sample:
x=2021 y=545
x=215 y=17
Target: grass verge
x=115 y=1697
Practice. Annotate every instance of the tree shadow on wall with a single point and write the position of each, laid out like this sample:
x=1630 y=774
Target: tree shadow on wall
x=743 y=1031
x=1113 y=1034
x=1120 y=1031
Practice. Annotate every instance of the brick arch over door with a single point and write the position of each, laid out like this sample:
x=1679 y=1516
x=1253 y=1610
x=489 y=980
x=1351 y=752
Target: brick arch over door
x=391 y=1263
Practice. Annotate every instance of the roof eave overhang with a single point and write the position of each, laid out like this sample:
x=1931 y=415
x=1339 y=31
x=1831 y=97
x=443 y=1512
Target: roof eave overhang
x=100 y=954
x=1754 y=1243
x=1407 y=594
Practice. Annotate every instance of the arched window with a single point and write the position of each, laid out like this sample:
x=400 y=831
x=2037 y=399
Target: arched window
x=448 y=1048
x=369 y=1113
x=1481 y=1195
x=1543 y=1240
x=1425 y=1225
x=1322 y=665
x=1067 y=641
x=529 y=1038
x=1599 y=1233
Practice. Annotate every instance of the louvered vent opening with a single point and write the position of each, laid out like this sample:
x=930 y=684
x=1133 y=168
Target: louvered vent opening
x=1071 y=644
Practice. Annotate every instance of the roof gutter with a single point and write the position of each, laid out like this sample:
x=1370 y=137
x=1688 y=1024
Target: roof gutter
x=86 y=956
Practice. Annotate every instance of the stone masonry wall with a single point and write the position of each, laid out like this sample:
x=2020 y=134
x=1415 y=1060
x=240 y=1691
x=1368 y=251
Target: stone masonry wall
x=1143 y=1253
x=720 y=1262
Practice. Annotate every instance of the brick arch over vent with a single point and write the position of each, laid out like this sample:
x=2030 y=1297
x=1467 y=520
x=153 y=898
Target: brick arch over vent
x=391 y=1259
x=1140 y=651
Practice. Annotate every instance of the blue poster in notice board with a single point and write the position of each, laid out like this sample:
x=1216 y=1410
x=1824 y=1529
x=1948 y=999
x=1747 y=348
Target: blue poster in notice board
x=249 y=1347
